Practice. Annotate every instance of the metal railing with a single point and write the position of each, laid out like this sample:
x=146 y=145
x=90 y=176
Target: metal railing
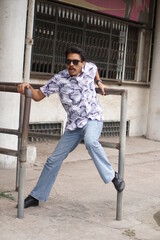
x=121 y=146
x=22 y=134
x=23 y=138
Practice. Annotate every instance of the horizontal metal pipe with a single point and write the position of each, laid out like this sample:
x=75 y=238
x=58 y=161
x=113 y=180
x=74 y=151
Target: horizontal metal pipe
x=7 y=88
x=9 y=131
x=30 y=133
x=110 y=145
x=43 y=135
x=12 y=87
x=110 y=91
x=10 y=152
x=10 y=83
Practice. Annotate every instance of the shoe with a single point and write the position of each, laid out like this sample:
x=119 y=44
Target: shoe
x=30 y=202
x=118 y=182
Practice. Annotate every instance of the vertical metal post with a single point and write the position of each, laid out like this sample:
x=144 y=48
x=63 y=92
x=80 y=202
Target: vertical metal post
x=27 y=65
x=23 y=150
x=122 y=142
x=29 y=40
x=21 y=113
x=125 y=53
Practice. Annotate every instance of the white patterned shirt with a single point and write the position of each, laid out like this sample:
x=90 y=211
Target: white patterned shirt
x=77 y=95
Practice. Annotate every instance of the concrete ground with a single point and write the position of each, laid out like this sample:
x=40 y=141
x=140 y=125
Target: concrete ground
x=80 y=205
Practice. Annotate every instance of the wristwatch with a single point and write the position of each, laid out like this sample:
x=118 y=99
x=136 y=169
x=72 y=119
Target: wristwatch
x=99 y=80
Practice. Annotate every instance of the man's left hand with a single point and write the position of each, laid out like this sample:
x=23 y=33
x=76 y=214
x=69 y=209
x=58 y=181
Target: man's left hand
x=102 y=87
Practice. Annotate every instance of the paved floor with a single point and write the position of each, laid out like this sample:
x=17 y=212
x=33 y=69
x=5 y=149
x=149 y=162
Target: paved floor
x=80 y=205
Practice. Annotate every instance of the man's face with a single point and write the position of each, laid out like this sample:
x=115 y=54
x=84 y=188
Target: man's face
x=74 y=64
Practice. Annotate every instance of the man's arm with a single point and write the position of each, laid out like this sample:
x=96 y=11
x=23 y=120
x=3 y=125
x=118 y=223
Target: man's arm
x=37 y=95
x=99 y=83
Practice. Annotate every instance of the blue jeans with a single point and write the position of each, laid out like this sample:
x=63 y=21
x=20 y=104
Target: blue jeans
x=68 y=142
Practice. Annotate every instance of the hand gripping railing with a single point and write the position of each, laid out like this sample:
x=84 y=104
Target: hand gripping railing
x=120 y=146
x=21 y=152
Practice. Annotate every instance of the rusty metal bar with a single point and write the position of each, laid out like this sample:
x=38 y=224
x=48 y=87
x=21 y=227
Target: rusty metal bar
x=10 y=152
x=21 y=113
x=111 y=91
x=23 y=150
x=8 y=88
x=110 y=145
x=43 y=135
x=30 y=133
x=13 y=88
x=121 y=159
x=6 y=84
x=9 y=131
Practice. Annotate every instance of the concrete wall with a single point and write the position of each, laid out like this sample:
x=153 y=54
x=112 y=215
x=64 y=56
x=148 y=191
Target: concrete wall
x=137 y=108
x=153 y=128
x=48 y=110
x=12 y=36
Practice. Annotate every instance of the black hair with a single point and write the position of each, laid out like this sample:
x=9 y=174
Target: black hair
x=75 y=50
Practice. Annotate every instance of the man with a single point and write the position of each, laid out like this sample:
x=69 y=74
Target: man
x=76 y=89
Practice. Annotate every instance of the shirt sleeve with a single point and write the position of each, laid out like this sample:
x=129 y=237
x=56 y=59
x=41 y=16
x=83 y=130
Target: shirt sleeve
x=91 y=69
x=51 y=86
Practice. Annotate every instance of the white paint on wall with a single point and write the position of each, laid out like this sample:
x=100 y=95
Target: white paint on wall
x=12 y=29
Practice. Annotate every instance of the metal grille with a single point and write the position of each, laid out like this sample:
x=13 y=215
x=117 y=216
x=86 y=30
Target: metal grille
x=104 y=40
x=47 y=128
x=131 y=53
x=112 y=128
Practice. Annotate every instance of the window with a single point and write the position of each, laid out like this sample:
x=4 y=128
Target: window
x=113 y=45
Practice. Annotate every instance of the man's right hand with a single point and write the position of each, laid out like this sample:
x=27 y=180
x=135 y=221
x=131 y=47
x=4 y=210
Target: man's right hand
x=21 y=87
x=37 y=95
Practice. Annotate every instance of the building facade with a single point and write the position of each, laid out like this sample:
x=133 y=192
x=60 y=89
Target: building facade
x=121 y=39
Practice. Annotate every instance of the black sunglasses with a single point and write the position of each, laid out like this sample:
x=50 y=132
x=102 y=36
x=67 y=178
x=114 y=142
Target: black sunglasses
x=75 y=61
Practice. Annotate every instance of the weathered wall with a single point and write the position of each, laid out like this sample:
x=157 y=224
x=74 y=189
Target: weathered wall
x=12 y=29
x=153 y=127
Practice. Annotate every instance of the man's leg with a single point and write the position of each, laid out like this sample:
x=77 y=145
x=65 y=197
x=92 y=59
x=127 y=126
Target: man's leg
x=92 y=132
x=67 y=143
x=91 y=138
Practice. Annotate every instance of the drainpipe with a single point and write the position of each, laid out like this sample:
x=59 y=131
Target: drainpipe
x=29 y=40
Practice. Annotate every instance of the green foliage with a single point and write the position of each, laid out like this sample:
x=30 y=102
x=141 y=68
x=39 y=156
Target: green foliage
x=6 y=195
